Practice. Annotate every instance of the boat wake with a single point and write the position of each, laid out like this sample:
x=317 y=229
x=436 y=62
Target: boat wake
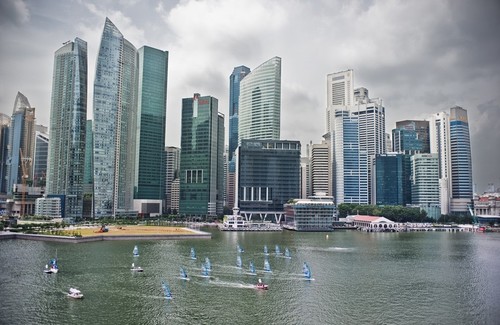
x=330 y=249
x=232 y=284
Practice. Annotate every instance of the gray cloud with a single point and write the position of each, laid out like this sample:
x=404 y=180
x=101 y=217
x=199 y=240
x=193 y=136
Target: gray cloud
x=420 y=57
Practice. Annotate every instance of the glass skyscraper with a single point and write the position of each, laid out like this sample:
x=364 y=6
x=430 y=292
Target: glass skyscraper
x=202 y=162
x=392 y=179
x=4 y=152
x=260 y=102
x=115 y=115
x=234 y=94
x=151 y=112
x=68 y=118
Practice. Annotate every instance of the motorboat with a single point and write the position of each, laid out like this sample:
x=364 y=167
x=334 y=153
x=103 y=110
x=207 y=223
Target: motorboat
x=261 y=285
x=75 y=293
x=136 y=268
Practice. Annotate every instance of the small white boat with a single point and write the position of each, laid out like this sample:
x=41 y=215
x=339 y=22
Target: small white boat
x=75 y=293
x=136 y=268
x=51 y=267
x=136 y=251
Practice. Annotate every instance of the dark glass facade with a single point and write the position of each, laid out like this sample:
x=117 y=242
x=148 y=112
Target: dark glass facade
x=268 y=174
x=234 y=93
x=392 y=176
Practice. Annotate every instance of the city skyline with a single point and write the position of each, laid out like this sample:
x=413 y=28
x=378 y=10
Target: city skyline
x=420 y=66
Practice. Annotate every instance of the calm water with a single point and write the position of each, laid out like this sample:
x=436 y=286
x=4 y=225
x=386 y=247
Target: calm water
x=358 y=278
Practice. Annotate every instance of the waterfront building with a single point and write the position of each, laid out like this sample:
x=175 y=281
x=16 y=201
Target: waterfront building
x=487 y=204
x=316 y=213
x=40 y=160
x=115 y=118
x=349 y=160
x=4 y=150
x=172 y=173
x=150 y=170
x=48 y=207
x=305 y=173
x=268 y=175
x=174 y=201
x=88 y=173
x=411 y=136
x=21 y=143
x=202 y=159
x=321 y=173
x=425 y=190
x=392 y=179
x=68 y=116
x=373 y=223
x=260 y=102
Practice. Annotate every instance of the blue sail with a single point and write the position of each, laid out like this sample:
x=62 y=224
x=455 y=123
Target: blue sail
x=265 y=250
x=208 y=265
x=277 y=250
x=183 y=273
x=306 y=270
x=166 y=290
x=252 y=268
x=136 y=251
x=240 y=249
x=204 y=270
x=238 y=261
x=267 y=266
x=193 y=254
x=287 y=253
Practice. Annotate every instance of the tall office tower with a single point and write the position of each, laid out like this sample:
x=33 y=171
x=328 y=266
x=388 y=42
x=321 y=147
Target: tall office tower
x=425 y=183
x=305 y=177
x=411 y=136
x=439 y=138
x=151 y=112
x=21 y=143
x=321 y=175
x=68 y=118
x=88 y=173
x=201 y=166
x=268 y=174
x=172 y=173
x=460 y=161
x=350 y=162
x=115 y=117
x=260 y=102
x=40 y=160
x=339 y=95
x=234 y=98
x=388 y=143
x=392 y=179
x=4 y=150
x=371 y=121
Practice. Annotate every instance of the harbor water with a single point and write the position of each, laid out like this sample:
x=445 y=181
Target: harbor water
x=357 y=278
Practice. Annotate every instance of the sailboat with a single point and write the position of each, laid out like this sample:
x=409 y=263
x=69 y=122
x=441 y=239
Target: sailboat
x=267 y=266
x=240 y=249
x=166 y=290
x=208 y=265
x=136 y=268
x=266 y=252
x=238 y=262
x=204 y=271
x=52 y=267
x=287 y=253
x=277 y=250
x=136 y=251
x=306 y=270
x=193 y=254
x=183 y=274
x=251 y=268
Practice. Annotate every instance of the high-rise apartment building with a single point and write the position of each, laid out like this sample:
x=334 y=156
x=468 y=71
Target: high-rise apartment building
x=88 y=173
x=260 y=102
x=21 y=143
x=41 y=159
x=115 y=118
x=172 y=173
x=202 y=157
x=151 y=125
x=68 y=118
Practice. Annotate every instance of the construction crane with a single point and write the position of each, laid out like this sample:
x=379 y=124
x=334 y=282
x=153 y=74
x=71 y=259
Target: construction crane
x=25 y=164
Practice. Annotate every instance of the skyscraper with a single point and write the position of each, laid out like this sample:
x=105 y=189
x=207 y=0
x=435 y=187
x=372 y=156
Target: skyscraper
x=439 y=136
x=321 y=176
x=172 y=173
x=202 y=161
x=392 y=179
x=151 y=113
x=4 y=150
x=234 y=98
x=21 y=143
x=115 y=117
x=68 y=118
x=41 y=159
x=411 y=136
x=260 y=102
x=339 y=95
x=425 y=183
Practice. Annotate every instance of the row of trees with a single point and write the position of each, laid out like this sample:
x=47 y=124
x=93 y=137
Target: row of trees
x=396 y=213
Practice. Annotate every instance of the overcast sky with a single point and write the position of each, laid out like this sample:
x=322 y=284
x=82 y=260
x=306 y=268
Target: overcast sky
x=421 y=57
